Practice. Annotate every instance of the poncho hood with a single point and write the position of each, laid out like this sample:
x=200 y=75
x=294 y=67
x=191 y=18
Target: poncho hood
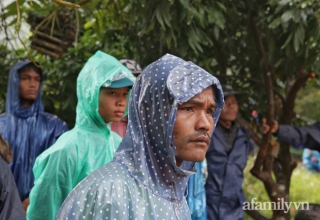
x=147 y=151
x=13 y=94
x=100 y=69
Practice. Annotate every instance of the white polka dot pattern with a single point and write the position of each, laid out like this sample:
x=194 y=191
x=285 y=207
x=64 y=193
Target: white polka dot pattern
x=143 y=181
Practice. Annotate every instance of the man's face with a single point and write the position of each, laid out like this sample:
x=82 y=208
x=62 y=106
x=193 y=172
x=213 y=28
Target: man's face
x=193 y=127
x=29 y=85
x=230 y=111
x=112 y=103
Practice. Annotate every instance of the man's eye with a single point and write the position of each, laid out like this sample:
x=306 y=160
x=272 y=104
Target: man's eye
x=210 y=111
x=125 y=94
x=112 y=93
x=188 y=109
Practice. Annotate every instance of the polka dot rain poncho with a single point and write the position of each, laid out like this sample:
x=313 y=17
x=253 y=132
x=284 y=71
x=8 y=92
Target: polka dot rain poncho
x=143 y=181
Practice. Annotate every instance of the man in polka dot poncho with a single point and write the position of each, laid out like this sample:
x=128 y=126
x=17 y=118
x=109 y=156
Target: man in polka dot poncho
x=173 y=109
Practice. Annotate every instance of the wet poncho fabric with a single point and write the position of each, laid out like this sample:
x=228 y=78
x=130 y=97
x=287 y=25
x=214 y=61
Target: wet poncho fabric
x=10 y=203
x=143 y=181
x=80 y=151
x=29 y=131
x=196 y=194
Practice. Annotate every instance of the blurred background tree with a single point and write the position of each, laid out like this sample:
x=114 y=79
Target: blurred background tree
x=268 y=48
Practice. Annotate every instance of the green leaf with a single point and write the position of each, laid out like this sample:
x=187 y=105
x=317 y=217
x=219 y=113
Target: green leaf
x=166 y=18
x=296 y=16
x=314 y=32
x=287 y=16
x=284 y=2
x=190 y=41
x=275 y=23
x=221 y=6
x=189 y=18
x=307 y=52
x=87 y=25
x=300 y=34
x=168 y=41
x=296 y=42
x=287 y=42
x=12 y=8
x=277 y=64
x=303 y=15
x=159 y=18
x=219 y=19
x=143 y=3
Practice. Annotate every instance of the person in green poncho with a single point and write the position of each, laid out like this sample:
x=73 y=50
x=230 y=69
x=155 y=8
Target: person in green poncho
x=103 y=86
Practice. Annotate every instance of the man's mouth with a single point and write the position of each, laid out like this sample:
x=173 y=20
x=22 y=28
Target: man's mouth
x=32 y=92
x=202 y=139
x=119 y=113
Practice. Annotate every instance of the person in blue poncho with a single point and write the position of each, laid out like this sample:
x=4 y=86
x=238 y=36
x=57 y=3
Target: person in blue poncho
x=311 y=160
x=226 y=159
x=28 y=129
x=196 y=194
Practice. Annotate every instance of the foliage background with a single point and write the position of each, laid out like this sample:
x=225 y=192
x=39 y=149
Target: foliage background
x=236 y=40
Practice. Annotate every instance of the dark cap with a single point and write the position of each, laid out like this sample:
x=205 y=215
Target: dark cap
x=132 y=65
x=228 y=90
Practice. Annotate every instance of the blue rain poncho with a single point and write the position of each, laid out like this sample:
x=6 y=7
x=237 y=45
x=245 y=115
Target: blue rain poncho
x=87 y=147
x=29 y=131
x=143 y=180
x=196 y=194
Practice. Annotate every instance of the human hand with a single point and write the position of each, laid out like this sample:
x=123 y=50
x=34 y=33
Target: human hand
x=25 y=204
x=265 y=127
x=314 y=159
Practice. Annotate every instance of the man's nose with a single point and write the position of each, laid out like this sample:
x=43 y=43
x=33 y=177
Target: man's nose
x=122 y=101
x=204 y=122
x=33 y=83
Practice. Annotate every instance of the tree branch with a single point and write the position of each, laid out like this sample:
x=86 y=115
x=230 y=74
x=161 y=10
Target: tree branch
x=222 y=61
x=292 y=94
x=270 y=106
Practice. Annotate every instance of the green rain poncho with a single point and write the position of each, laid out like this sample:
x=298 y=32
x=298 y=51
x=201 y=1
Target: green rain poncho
x=88 y=146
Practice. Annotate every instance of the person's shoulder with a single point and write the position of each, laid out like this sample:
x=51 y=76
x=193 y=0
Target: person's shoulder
x=114 y=172
x=3 y=166
x=243 y=131
x=111 y=176
x=51 y=117
x=67 y=142
x=103 y=191
x=317 y=124
x=6 y=122
x=5 y=116
x=55 y=121
x=116 y=136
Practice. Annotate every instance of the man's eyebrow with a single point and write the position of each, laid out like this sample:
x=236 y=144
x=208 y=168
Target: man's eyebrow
x=213 y=105
x=200 y=103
